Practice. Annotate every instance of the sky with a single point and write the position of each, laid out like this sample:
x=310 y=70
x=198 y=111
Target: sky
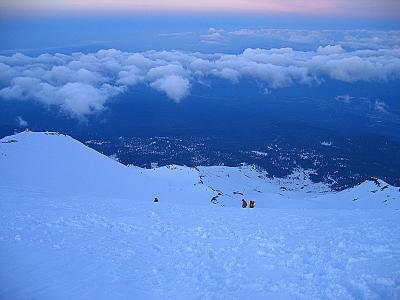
x=80 y=62
x=382 y=9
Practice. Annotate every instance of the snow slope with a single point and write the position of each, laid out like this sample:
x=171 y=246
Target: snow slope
x=54 y=163
x=75 y=224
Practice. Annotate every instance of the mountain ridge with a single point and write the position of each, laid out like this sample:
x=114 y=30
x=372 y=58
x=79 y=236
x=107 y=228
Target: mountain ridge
x=64 y=164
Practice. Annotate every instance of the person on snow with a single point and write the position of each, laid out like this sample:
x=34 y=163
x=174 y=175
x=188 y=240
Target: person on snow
x=155 y=199
x=252 y=204
x=244 y=203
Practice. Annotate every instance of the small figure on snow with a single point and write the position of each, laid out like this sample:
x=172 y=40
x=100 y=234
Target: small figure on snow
x=155 y=199
x=252 y=204
x=244 y=203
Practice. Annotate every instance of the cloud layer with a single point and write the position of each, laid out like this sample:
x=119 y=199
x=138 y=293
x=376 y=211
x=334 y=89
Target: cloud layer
x=82 y=84
x=349 y=39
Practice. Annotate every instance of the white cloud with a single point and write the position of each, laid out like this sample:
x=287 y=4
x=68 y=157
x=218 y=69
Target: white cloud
x=328 y=50
x=130 y=77
x=228 y=73
x=166 y=70
x=6 y=73
x=61 y=74
x=82 y=84
x=176 y=87
x=345 y=98
x=349 y=39
x=266 y=91
x=80 y=98
x=214 y=36
x=326 y=143
x=21 y=122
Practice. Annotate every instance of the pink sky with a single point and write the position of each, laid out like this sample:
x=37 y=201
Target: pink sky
x=345 y=8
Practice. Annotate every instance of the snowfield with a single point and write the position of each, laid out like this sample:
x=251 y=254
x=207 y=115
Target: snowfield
x=75 y=224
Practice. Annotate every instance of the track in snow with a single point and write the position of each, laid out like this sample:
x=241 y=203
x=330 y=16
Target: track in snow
x=116 y=249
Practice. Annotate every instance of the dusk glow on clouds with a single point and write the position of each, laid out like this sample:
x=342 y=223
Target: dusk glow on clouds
x=360 y=8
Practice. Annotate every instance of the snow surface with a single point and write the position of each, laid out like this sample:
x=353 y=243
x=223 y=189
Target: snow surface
x=75 y=224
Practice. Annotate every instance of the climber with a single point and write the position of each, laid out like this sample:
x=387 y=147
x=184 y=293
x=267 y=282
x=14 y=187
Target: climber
x=244 y=203
x=252 y=204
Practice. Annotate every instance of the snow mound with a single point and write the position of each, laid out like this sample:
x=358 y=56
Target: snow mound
x=53 y=163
